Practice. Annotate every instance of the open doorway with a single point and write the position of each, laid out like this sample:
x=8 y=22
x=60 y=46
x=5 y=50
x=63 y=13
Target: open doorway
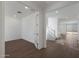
x=63 y=26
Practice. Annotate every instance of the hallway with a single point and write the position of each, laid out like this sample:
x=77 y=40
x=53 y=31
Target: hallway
x=71 y=40
x=22 y=48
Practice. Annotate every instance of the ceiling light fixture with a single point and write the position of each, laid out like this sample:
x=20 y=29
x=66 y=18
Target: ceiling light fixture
x=19 y=12
x=56 y=11
x=26 y=7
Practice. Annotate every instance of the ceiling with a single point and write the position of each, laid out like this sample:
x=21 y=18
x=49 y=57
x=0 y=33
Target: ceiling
x=12 y=7
x=66 y=13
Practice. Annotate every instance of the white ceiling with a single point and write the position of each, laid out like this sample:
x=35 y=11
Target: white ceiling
x=69 y=12
x=12 y=6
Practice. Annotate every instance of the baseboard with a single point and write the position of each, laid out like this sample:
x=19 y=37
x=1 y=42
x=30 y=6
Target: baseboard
x=20 y=39
x=28 y=41
x=13 y=40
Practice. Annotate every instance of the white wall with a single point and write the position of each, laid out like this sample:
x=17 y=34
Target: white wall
x=62 y=24
x=28 y=27
x=53 y=23
x=2 y=43
x=42 y=29
x=12 y=28
x=31 y=26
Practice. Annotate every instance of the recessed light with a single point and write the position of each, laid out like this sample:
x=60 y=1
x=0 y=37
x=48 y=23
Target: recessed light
x=26 y=7
x=56 y=11
x=19 y=12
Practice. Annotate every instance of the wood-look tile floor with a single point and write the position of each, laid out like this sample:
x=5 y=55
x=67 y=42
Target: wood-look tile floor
x=23 y=49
